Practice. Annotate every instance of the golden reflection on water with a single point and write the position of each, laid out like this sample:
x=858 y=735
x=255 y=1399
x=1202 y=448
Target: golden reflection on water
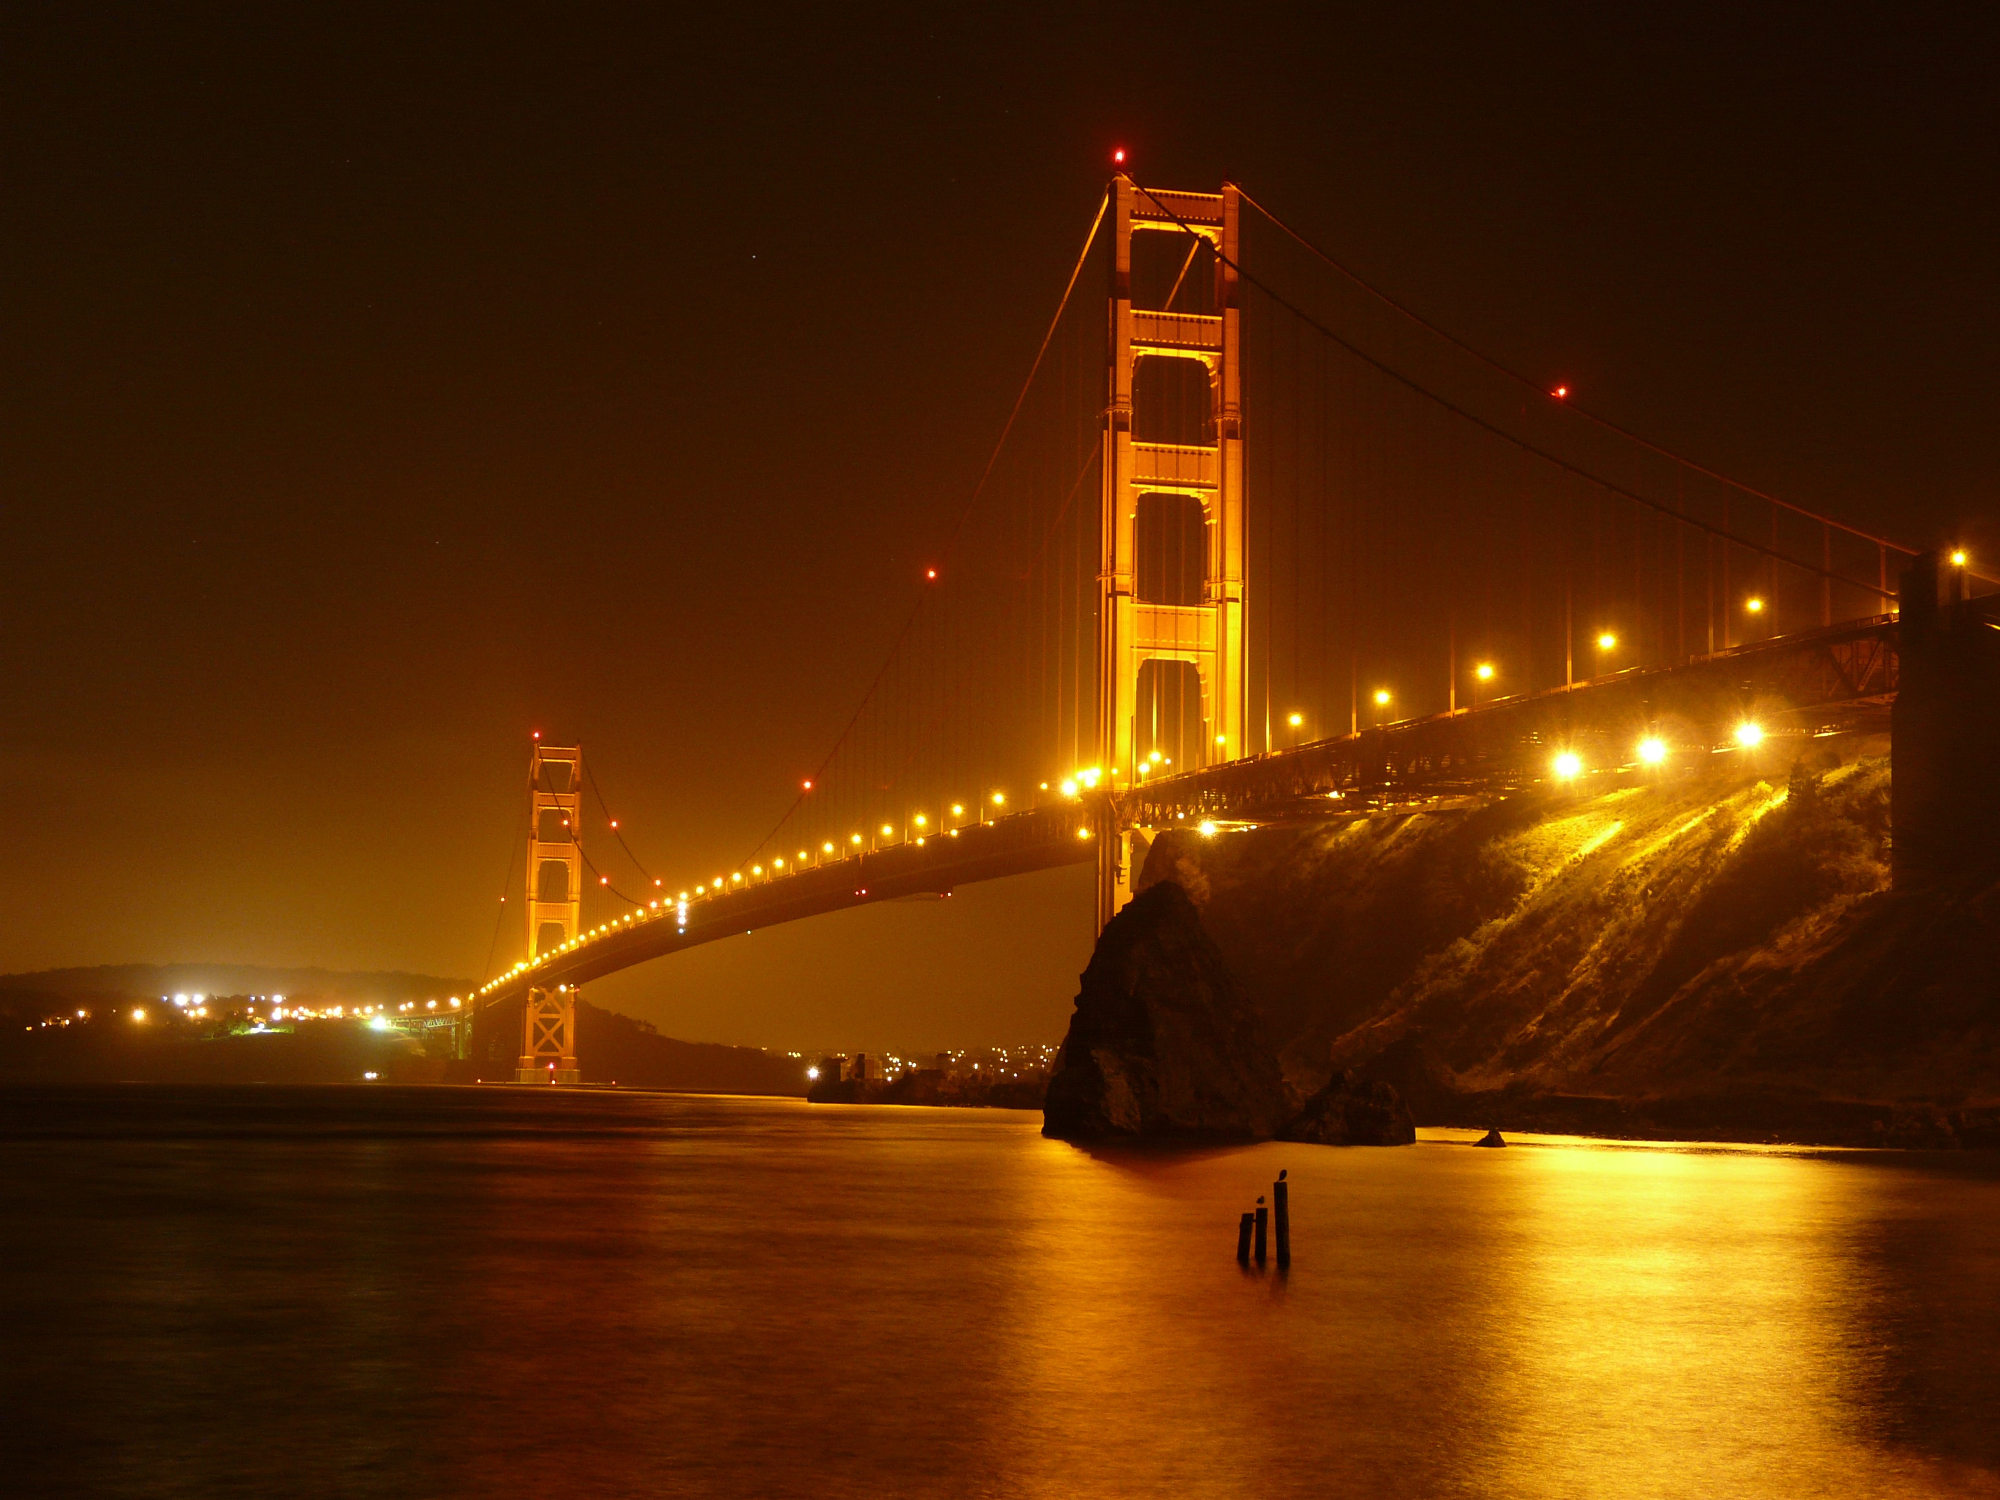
x=488 y=1294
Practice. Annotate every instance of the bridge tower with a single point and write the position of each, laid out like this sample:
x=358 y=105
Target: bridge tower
x=555 y=906
x=1138 y=627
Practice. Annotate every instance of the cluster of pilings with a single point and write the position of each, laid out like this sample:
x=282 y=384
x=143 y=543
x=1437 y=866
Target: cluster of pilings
x=1254 y=1231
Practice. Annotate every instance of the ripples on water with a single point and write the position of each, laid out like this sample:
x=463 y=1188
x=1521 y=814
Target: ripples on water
x=487 y=1293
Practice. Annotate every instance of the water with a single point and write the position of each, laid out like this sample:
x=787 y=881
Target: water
x=357 y=1292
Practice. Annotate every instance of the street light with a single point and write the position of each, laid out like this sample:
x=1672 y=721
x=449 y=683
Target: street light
x=1652 y=750
x=1568 y=766
x=1749 y=735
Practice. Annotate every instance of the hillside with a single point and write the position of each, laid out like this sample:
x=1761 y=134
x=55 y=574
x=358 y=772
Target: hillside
x=1708 y=935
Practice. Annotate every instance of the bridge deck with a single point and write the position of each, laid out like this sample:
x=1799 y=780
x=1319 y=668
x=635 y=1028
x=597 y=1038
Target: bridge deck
x=1843 y=676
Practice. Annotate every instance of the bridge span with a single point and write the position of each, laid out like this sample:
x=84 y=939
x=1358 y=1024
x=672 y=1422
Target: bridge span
x=1776 y=693
x=1255 y=542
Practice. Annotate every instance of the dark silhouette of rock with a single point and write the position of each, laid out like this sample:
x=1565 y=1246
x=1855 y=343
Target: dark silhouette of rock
x=1491 y=1138
x=1349 y=1113
x=1163 y=1042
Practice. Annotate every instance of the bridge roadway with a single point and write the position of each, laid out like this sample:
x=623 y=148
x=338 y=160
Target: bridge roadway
x=1841 y=677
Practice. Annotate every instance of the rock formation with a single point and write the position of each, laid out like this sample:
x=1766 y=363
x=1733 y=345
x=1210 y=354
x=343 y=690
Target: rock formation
x=1163 y=1042
x=1350 y=1113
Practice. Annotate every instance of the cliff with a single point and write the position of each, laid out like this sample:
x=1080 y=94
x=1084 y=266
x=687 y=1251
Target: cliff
x=1715 y=935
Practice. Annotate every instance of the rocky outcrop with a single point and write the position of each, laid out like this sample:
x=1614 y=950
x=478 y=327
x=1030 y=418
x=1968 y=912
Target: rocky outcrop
x=1163 y=1042
x=1348 y=1112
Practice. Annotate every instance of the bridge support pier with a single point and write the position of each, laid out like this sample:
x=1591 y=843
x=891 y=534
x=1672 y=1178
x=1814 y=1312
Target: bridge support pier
x=548 y=1044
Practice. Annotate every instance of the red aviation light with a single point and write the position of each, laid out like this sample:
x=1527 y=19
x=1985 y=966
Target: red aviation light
x=1118 y=157
x=808 y=783
x=1561 y=393
x=930 y=573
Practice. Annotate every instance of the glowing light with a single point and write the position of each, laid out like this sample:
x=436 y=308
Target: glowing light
x=1484 y=671
x=922 y=821
x=1118 y=157
x=1652 y=750
x=1381 y=697
x=1606 y=641
x=1206 y=828
x=854 y=838
x=139 y=1014
x=614 y=822
x=536 y=735
x=1568 y=765
x=827 y=847
x=604 y=880
x=1154 y=757
x=812 y=1072
x=756 y=869
x=958 y=809
x=930 y=573
x=808 y=784
x=1069 y=787
x=380 y=1023
x=737 y=876
x=1958 y=558
x=887 y=830
x=1083 y=833
x=454 y=1002
x=1561 y=393
x=999 y=799
x=1754 y=605
x=1749 y=735
x=1296 y=720
x=1222 y=739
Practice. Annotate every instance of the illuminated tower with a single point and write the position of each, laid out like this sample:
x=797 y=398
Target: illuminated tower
x=1157 y=631
x=555 y=903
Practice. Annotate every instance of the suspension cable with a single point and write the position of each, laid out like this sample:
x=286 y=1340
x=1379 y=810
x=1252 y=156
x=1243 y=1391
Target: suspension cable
x=965 y=515
x=1478 y=421
x=1588 y=416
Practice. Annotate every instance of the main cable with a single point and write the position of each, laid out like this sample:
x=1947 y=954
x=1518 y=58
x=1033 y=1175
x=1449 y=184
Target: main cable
x=965 y=515
x=1512 y=374
x=1522 y=443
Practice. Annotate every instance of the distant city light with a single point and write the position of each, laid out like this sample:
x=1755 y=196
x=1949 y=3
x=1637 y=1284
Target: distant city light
x=812 y=1072
x=1568 y=765
x=1749 y=735
x=1652 y=750
x=1069 y=787
x=138 y=1013
x=1206 y=829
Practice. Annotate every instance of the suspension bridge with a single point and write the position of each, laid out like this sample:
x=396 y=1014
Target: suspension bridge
x=1256 y=542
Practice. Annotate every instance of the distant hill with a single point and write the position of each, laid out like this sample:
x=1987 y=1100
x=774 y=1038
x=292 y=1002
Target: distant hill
x=140 y=981
x=612 y=1048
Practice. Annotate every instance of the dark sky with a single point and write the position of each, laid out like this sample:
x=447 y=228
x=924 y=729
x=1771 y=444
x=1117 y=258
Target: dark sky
x=380 y=383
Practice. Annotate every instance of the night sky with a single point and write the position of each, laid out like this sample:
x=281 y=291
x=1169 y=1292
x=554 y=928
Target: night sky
x=381 y=384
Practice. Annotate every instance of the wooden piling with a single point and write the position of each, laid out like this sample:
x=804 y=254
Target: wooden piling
x=1263 y=1229
x=1243 y=1237
x=1282 y=1215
